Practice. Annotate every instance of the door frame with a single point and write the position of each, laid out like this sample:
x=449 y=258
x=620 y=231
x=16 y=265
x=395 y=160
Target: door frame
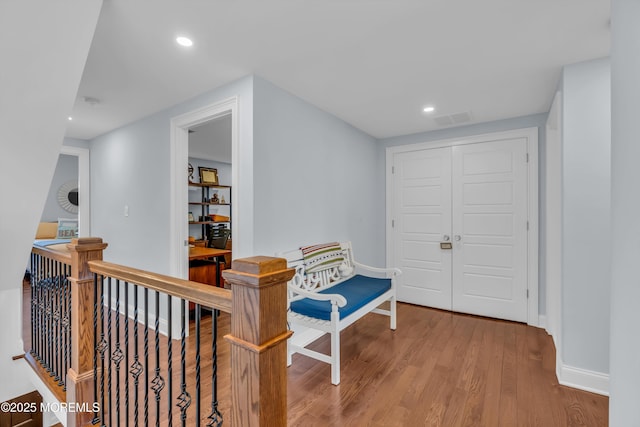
x=179 y=193
x=531 y=136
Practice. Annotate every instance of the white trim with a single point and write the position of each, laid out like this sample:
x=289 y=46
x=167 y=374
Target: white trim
x=84 y=187
x=583 y=379
x=162 y=323
x=542 y=322
x=553 y=218
x=531 y=134
x=178 y=200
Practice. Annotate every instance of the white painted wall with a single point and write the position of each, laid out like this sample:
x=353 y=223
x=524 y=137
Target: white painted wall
x=39 y=79
x=625 y=212
x=129 y=167
x=586 y=232
x=314 y=178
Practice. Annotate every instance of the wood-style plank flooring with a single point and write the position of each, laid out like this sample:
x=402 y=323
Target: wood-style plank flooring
x=437 y=369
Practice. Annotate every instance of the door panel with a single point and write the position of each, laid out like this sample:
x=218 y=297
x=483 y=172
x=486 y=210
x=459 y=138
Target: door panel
x=422 y=212
x=490 y=218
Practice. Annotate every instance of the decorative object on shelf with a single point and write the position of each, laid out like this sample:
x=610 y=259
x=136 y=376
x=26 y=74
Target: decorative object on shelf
x=222 y=199
x=68 y=196
x=191 y=219
x=208 y=175
x=215 y=199
x=190 y=172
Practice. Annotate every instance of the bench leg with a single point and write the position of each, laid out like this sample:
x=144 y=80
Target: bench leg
x=392 y=309
x=335 y=357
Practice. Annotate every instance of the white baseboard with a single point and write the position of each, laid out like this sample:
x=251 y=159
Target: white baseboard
x=162 y=323
x=542 y=321
x=583 y=379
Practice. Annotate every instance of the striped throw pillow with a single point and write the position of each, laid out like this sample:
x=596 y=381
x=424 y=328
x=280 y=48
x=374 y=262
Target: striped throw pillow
x=321 y=257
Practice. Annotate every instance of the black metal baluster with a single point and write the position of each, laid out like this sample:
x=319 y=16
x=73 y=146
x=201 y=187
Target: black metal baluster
x=198 y=314
x=136 y=367
x=39 y=328
x=184 y=399
x=146 y=357
x=47 y=312
x=158 y=381
x=66 y=323
x=43 y=305
x=117 y=353
x=57 y=316
x=170 y=360
x=215 y=418
x=126 y=353
x=110 y=406
x=32 y=282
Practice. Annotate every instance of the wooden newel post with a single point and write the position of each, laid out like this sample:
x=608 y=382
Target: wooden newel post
x=80 y=375
x=258 y=341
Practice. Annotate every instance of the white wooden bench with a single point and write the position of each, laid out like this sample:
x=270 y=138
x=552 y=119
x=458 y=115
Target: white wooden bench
x=330 y=291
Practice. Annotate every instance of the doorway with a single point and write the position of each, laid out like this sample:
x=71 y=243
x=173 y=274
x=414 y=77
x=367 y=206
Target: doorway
x=179 y=172
x=461 y=224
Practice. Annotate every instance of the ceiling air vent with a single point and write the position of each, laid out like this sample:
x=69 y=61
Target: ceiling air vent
x=453 y=119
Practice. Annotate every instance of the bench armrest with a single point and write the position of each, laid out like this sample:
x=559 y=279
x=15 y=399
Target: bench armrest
x=336 y=299
x=395 y=272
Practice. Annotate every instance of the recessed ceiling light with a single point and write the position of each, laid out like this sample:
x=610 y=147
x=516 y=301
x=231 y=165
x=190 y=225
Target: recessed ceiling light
x=70 y=118
x=429 y=109
x=184 y=41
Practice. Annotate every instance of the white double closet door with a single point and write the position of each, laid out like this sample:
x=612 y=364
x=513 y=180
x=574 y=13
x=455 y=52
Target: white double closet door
x=473 y=197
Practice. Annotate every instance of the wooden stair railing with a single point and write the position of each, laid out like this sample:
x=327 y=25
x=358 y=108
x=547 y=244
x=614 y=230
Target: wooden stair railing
x=257 y=305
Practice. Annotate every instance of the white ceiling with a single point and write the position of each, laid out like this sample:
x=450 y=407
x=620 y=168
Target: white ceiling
x=373 y=63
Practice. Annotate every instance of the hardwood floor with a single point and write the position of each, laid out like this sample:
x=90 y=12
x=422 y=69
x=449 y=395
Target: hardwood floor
x=437 y=369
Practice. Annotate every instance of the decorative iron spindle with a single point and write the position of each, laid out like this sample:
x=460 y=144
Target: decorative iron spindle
x=157 y=384
x=198 y=315
x=117 y=353
x=109 y=348
x=102 y=348
x=184 y=399
x=34 y=302
x=126 y=353
x=48 y=316
x=169 y=361
x=136 y=367
x=215 y=418
x=66 y=326
x=146 y=357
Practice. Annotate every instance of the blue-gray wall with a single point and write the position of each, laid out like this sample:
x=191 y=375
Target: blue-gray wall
x=130 y=166
x=625 y=253
x=315 y=178
x=586 y=147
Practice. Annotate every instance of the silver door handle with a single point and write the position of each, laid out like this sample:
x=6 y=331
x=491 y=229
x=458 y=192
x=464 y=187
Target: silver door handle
x=446 y=238
x=457 y=237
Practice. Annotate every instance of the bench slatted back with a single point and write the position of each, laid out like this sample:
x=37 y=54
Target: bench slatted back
x=318 y=280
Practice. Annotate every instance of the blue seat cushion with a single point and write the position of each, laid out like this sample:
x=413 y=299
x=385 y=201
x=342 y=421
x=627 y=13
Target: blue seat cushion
x=358 y=290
